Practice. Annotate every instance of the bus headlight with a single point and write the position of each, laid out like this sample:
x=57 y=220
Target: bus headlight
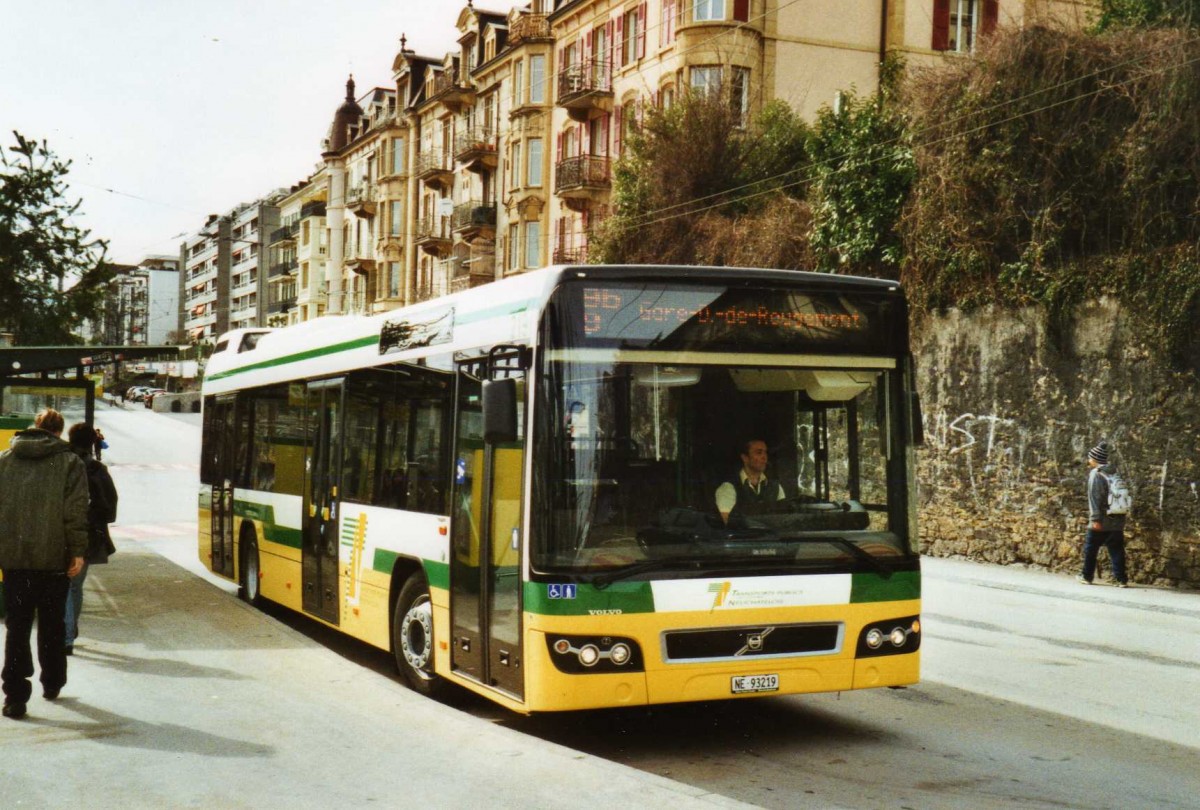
x=589 y=654
x=594 y=654
x=904 y=635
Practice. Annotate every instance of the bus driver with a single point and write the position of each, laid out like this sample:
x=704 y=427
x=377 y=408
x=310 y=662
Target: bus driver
x=751 y=489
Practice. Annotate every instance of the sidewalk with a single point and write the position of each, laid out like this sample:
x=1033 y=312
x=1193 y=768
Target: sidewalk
x=1125 y=658
x=180 y=696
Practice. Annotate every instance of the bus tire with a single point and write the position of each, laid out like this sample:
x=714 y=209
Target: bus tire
x=249 y=582
x=412 y=637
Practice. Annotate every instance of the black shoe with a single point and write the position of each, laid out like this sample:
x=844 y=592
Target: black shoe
x=69 y=650
x=51 y=694
x=14 y=711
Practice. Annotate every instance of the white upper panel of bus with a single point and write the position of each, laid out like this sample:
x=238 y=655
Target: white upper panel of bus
x=502 y=312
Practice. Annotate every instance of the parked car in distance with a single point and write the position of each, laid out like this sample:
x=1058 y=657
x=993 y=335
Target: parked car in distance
x=149 y=395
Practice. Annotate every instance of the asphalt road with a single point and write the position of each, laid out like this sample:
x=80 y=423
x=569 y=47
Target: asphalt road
x=1036 y=692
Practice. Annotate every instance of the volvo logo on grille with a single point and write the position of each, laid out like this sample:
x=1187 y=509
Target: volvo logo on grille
x=754 y=641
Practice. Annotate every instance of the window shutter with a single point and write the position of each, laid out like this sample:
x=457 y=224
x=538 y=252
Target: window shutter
x=619 y=44
x=585 y=140
x=741 y=10
x=587 y=52
x=558 y=149
x=608 y=43
x=991 y=15
x=641 y=31
x=941 y=25
x=617 y=131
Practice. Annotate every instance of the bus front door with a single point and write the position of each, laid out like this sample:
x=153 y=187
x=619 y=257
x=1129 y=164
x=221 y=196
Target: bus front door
x=322 y=464
x=221 y=424
x=485 y=570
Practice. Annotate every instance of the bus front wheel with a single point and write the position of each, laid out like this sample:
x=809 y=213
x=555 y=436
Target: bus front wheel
x=248 y=588
x=412 y=637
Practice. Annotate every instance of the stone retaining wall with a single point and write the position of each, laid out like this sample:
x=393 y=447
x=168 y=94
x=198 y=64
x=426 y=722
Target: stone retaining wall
x=1011 y=409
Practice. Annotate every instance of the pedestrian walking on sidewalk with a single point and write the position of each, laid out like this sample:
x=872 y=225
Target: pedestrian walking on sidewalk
x=1108 y=504
x=43 y=537
x=102 y=510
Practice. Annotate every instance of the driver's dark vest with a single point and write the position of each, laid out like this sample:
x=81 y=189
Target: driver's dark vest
x=748 y=500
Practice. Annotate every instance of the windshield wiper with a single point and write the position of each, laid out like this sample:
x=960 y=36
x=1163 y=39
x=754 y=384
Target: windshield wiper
x=870 y=559
x=602 y=581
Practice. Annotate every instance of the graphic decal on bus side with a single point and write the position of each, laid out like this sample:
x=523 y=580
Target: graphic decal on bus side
x=354 y=535
x=427 y=329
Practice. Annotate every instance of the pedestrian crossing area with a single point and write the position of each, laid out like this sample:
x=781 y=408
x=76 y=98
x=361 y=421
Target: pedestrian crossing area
x=152 y=531
x=118 y=467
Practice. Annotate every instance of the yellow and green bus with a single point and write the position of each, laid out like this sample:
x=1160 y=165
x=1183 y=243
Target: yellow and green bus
x=512 y=487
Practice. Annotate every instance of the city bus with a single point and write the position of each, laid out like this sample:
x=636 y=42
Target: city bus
x=511 y=488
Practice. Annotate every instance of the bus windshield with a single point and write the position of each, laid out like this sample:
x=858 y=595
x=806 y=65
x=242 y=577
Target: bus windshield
x=631 y=454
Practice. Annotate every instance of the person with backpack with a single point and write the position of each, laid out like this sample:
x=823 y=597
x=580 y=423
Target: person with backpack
x=102 y=510
x=1108 y=504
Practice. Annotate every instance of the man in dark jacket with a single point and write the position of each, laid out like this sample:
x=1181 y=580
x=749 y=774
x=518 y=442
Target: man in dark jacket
x=43 y=537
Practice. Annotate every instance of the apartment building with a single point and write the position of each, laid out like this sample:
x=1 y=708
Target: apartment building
x=221 y=278
x=143 y=305
x=297 y=289
x=497 y=157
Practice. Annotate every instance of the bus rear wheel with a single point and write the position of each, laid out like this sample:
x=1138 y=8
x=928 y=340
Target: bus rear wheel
x=412 y=637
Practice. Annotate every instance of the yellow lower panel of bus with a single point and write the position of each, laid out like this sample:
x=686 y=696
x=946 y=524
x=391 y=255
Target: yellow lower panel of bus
x=550 y=689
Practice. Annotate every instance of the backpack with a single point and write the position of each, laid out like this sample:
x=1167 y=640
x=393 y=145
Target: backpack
x=1120 y=499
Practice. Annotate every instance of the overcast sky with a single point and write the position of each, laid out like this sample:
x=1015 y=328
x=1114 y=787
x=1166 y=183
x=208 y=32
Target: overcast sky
x=175 y=109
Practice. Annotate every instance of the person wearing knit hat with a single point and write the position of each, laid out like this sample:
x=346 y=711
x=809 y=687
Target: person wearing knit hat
x=1106 y=528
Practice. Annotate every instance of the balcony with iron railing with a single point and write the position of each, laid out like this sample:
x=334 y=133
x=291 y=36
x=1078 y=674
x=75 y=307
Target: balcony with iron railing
x=282 y=298
x=433 y=235
x=312 y=209
x=361 y=200
x=572 y=249
x=285 y=233
x=476 y=150
x=583 y=179
x=281 y=269
x=434 y=169
x=451 y=92
x=473 y=219
x=585 y=89
x=530 y=28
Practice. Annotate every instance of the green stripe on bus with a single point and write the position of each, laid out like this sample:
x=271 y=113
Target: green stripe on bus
x=272 y=531
x=619 y=597
x=874 y=588
x=15 y=422
x=349 y=345
x=436 y=574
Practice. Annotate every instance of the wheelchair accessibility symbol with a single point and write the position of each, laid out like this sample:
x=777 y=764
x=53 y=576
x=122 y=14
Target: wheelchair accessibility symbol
x=561 y=591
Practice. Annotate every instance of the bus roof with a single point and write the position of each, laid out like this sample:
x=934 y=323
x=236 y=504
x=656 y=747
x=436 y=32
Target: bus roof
x=499 y=312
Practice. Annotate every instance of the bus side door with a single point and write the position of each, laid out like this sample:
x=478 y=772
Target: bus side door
x=322 y=463
x=485 y=564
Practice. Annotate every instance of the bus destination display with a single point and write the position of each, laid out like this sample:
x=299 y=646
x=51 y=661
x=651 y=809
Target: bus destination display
x=712 y=317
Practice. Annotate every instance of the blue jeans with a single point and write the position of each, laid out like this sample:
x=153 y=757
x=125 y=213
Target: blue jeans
x=1114 y=542
x=74 y=605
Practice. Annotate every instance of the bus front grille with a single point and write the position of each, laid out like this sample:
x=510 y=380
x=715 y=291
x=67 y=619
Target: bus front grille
x=754 y=642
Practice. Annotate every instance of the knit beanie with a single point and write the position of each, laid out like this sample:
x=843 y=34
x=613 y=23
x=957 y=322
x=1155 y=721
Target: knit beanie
x=1099 y=453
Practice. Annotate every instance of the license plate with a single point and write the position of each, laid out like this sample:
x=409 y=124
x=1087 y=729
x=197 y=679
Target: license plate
x=754 y=683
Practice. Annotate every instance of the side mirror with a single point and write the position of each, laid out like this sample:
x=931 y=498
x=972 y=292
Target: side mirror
x=916 y=420
x=500 y=411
